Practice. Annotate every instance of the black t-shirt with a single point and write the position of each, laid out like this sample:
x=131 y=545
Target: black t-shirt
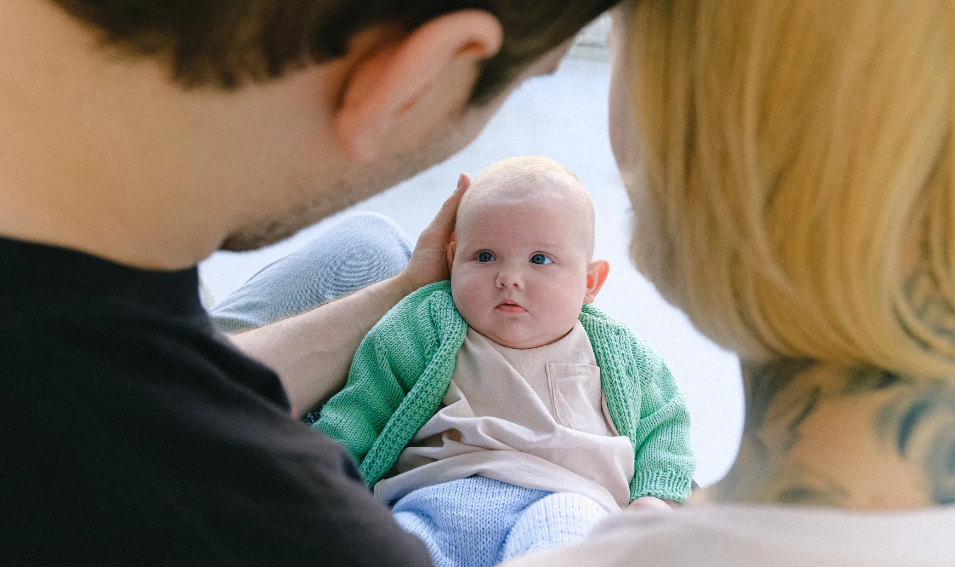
x=131 y=433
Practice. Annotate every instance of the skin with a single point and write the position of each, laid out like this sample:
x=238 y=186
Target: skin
x=133 y=168
x=819 y=434
x=521 y=261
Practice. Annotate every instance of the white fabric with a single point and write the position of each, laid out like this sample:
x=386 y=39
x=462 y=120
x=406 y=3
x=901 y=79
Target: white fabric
x=762 y=535
x=535 y=418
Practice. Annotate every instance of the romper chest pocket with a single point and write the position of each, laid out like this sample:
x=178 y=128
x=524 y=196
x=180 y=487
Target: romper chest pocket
x=577 y=397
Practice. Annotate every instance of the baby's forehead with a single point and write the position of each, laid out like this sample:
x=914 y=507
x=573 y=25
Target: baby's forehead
x=528 y=178
x=538 y=186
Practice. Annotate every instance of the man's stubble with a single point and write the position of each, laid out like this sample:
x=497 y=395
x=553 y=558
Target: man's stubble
x=316 y=199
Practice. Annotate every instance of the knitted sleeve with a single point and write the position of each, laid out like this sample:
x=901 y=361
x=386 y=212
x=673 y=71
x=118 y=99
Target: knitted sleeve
x=380 y=408
x=356 y=416
x=664 y=463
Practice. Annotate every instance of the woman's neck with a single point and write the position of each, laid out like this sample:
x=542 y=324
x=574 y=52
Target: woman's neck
x=849 y=438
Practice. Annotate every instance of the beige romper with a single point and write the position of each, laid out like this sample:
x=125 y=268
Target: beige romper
x=535 y=418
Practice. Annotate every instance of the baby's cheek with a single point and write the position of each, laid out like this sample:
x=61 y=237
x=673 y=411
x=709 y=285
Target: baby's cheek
x=562 y=312
x=465 y=295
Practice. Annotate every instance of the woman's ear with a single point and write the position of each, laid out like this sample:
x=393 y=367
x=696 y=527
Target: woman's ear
x=395 y=78
x=452 y=248
x=597 y=272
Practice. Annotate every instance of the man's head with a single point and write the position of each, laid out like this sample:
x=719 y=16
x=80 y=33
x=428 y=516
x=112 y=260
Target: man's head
x=521 y=262
x=155 y=132
x=227 y=42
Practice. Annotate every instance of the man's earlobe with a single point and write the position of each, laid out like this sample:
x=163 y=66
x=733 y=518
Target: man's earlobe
x=597 y=272
x=394 y=78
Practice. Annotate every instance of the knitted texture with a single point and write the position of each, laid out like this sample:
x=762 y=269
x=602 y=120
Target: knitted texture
x=404 y=366
x=479 y=522
x=558 y=519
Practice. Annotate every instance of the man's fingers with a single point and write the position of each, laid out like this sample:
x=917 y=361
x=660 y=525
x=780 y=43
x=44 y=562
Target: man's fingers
x=452 y=202
x=449 y=210
x=464 y=181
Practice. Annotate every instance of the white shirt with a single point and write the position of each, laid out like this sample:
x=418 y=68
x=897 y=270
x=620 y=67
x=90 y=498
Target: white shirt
x=762 y=535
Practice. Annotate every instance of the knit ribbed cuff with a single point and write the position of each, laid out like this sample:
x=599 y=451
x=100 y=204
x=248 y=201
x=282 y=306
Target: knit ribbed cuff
x=669 y=484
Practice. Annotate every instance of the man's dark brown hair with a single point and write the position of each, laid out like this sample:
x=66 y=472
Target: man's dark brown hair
x=227 y=42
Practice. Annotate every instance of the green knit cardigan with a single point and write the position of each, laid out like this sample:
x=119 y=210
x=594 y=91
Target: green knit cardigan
x=403 y=369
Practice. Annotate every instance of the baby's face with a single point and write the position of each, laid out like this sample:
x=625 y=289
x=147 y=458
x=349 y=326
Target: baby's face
x=519 y=275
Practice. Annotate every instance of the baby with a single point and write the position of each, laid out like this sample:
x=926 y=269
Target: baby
x=500 y=412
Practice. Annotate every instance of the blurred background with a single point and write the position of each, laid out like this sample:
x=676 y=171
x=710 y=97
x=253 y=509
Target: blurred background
x=563 y=116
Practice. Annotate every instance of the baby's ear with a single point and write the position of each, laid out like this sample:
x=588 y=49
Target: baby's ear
x=596 y=276
x=452 y=247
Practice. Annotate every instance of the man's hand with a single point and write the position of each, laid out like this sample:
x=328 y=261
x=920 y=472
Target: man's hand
x=650 y=503
x=312 y=352
x=429 y=261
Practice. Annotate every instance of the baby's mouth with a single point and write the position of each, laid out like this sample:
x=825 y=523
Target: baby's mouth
x=510 y=306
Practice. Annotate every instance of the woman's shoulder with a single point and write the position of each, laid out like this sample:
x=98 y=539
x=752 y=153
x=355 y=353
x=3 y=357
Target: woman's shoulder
x=751 y=535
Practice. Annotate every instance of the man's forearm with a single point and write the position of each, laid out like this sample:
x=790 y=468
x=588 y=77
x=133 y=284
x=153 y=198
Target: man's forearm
x=312 y=352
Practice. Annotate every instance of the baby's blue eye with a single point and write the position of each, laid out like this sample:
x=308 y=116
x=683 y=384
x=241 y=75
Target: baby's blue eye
x=485 y=257
x=540 y=259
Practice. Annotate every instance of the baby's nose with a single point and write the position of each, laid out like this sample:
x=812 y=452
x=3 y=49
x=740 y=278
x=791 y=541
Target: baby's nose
x=510 y=278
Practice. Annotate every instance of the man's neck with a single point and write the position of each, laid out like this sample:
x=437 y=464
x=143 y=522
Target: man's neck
x=110 y=239
x=847 y=438
x=77 y=168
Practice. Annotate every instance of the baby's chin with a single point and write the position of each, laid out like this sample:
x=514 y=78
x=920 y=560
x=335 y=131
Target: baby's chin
x=519 y=342
x=517 y=345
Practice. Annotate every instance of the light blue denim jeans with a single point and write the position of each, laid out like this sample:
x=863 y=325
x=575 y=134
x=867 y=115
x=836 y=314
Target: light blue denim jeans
x=355 y=252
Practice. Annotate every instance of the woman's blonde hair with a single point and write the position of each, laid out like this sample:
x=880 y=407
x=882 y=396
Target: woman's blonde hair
x=798 y=171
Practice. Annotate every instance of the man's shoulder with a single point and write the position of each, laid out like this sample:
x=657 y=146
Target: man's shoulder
x=125 y=350
x=150 y=444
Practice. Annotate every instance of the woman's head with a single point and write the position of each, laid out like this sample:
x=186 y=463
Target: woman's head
x=791 y=171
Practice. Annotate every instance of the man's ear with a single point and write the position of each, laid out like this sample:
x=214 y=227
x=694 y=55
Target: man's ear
x=596 y=276
x=396 y=77
x=452 y=248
